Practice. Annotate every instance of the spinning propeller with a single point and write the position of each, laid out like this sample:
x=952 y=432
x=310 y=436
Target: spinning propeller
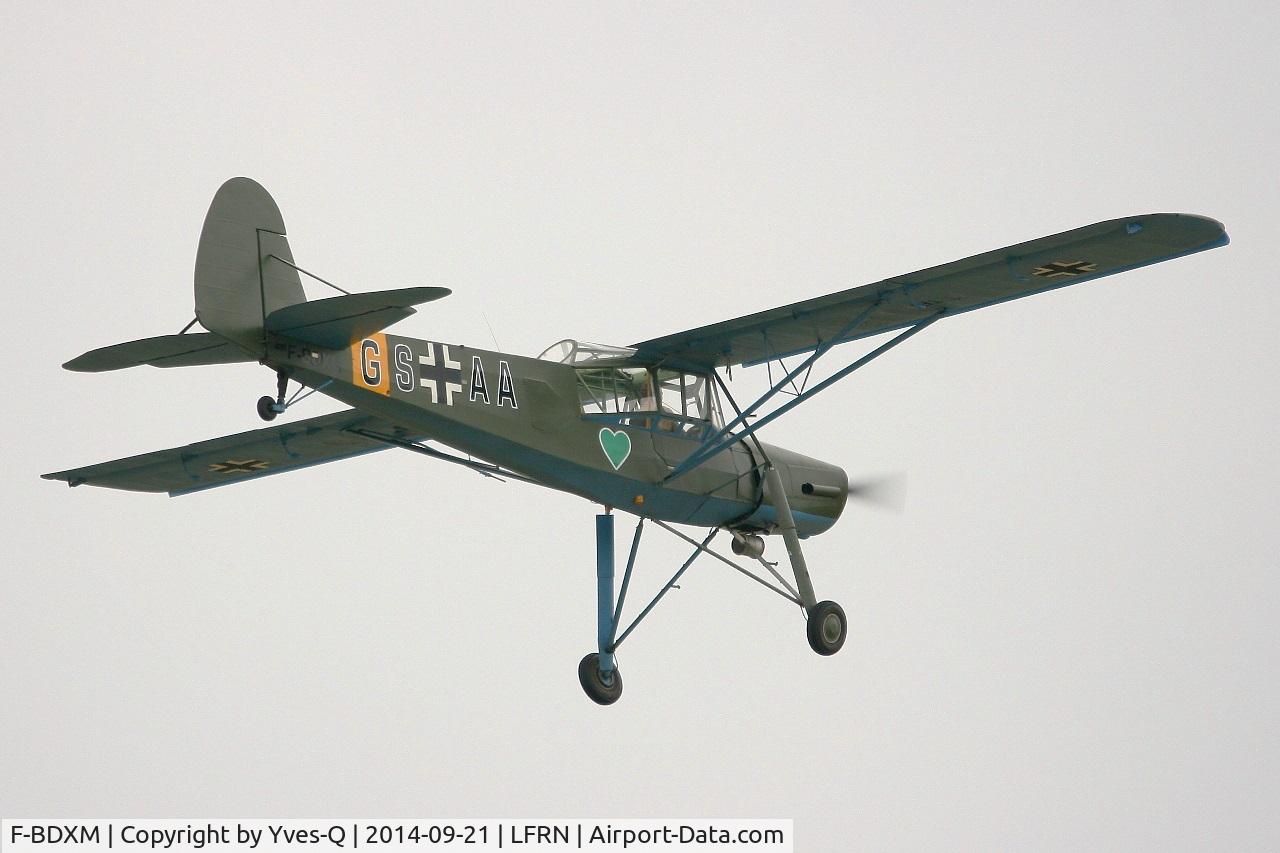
x=887 y=492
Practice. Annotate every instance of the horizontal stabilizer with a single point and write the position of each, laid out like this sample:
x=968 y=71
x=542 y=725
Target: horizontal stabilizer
x=340 y=321
x=235 y=458
x=190 y=350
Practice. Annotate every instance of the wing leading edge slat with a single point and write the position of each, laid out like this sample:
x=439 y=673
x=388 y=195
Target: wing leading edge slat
x=1083 y=254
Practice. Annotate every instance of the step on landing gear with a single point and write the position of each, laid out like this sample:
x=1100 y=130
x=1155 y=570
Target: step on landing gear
x=269 y=408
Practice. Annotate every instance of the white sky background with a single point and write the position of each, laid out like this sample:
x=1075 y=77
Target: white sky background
x=1067 y=641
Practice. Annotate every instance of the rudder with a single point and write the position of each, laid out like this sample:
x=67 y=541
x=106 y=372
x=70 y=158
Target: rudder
x=238 y=282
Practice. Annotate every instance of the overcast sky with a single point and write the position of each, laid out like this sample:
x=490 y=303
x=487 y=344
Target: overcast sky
x=1068 y=639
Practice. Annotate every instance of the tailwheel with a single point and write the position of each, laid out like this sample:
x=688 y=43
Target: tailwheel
x=826 y=627
x=267 y=408
x=594 y=682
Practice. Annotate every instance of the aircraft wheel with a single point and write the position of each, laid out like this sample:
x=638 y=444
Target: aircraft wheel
x=827 y=627
x=266 y=408
x=593 y=684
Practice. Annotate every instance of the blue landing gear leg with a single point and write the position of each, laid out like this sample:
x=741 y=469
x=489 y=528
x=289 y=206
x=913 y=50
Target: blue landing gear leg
x=597 y=672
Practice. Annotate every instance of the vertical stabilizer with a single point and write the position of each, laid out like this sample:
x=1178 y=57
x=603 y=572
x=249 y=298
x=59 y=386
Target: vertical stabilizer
x=238 y=282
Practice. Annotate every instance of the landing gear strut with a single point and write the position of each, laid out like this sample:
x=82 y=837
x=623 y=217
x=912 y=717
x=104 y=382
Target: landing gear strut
x=826 y=625
x=597 y=672
x=269 y=408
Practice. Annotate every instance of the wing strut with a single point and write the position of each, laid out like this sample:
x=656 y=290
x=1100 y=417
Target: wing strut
x=807 y=363
x=608 y=624
x=497 y=472
x=722 y=440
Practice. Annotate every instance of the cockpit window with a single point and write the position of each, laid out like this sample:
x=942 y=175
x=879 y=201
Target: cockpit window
x=619 y=390
x=684 y=394
x=616 y=390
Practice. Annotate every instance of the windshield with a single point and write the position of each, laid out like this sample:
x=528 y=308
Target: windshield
x=685 y=394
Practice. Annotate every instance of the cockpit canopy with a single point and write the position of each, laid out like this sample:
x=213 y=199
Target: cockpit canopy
x=610 y=383
x=570 y=351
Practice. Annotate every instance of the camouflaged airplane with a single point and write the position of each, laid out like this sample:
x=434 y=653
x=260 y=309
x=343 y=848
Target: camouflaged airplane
x=638 y=428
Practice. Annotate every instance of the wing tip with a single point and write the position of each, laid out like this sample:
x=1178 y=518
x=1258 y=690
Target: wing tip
x=81 y=364
x=1214 y=231
x=65 y=476
x=432 y=293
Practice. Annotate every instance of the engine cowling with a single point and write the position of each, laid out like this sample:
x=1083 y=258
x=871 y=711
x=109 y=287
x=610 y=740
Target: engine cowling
x=816 y=491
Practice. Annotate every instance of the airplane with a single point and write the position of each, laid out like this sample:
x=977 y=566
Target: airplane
x=651 y=429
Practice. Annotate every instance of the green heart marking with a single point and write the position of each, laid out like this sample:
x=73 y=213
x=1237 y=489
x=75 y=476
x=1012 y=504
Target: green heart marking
x=616 y=446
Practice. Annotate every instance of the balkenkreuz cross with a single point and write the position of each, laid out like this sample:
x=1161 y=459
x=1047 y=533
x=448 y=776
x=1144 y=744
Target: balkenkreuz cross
x=438 y=374
x=1058 y=268
x=238 y=466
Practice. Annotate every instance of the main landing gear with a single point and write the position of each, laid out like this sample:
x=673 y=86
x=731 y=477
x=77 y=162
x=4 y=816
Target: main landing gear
x=597 y=672
x=602 y=688
x=826 y=627
x=825 y=624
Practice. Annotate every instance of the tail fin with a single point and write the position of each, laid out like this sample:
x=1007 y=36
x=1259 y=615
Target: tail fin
x=247 y=285
x=243 y=270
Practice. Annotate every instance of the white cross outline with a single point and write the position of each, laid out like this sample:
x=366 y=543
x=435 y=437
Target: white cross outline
x=429 y=360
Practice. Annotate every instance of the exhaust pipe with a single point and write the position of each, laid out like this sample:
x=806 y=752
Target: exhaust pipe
x=821 y=491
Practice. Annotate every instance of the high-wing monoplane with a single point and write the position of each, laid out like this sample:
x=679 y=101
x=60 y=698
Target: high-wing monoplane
x=651 y=429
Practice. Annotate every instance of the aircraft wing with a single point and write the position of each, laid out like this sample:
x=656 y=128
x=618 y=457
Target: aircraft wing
x=1084 y=254
x=236 y=458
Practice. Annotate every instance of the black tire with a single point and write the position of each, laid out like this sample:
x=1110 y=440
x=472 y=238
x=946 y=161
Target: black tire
x=827 y=628
x=592 y=681
x=266 y=408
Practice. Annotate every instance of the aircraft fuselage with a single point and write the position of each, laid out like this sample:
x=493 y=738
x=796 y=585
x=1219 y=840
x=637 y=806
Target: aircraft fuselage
x=524 y=414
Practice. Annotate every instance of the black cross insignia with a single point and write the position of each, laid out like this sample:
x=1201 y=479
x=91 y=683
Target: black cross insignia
x=239 y=466
x=1058 y=268
x=439 y=374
